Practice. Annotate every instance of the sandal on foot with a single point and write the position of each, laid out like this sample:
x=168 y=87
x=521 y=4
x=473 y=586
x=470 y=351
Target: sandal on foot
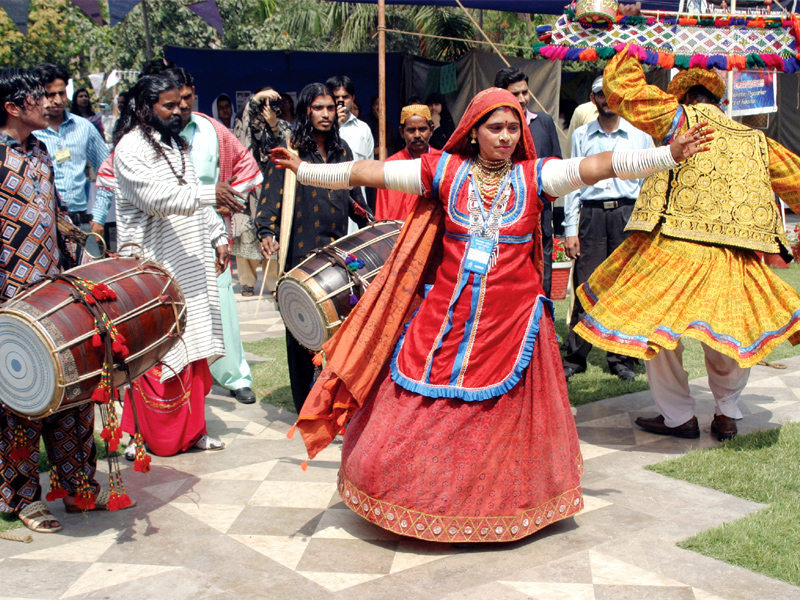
x=36 y=515
x=100 y=503
x=247 y=291
x=206 y=442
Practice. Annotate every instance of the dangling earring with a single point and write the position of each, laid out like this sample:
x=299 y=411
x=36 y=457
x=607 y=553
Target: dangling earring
x=474 y=137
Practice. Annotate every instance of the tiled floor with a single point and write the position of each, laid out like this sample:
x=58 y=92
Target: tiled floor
x=248 y=522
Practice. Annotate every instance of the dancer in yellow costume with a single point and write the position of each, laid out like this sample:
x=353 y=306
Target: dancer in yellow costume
x=690 y=267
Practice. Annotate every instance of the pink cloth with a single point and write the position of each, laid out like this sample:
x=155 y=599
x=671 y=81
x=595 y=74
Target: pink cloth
x=171 y=415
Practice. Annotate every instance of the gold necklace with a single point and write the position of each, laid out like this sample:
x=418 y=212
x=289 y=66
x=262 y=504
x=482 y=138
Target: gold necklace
x=488 y=175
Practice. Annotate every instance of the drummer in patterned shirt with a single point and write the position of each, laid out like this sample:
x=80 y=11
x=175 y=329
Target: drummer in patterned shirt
x=320 y=215
x=30 y=249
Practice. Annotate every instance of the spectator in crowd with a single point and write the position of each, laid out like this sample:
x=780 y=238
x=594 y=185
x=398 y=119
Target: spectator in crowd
x=287 y=109
x=416 y=129
x=604 y=210
x=443 y=125
x=73 y=142
x=373 y=120
x=222 y=110
x=352 y=130
x=260 y=130
x=81 y=105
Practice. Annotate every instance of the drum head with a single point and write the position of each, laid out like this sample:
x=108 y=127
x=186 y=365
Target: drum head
x=301 y=314
x=28 y=380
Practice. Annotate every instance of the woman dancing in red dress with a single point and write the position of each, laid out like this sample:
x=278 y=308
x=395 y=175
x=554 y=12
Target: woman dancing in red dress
x=447 y=374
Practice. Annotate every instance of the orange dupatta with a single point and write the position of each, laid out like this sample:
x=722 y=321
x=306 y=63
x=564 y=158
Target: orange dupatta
x=366 y=340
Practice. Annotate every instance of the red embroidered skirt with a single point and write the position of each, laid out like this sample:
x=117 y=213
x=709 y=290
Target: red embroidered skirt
x=455 y=471
x=171 y=414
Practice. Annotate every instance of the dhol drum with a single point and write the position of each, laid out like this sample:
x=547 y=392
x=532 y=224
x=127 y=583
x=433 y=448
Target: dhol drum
x=48 y=361
x=596 y=12
x=317 y=295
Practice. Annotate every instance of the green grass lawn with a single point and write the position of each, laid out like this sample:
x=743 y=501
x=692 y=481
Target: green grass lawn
x=763 y=467
x=271 y=378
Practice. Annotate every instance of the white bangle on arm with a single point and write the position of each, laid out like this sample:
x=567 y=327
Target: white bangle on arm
x=328 y=176
x=638 y=164
x=403 y=176
x=560 y=177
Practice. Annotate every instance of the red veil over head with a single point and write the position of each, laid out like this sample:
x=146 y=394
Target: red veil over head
x=482 y=104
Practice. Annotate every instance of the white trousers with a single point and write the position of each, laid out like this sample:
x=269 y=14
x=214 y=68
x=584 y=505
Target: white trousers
x=669 y=383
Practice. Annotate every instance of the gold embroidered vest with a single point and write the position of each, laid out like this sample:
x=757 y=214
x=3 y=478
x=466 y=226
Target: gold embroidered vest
x=721 y=197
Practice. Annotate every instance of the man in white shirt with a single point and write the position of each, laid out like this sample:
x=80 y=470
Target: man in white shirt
x=352 y=130
x=595 y=218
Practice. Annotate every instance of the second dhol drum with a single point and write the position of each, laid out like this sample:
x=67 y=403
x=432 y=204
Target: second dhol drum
x=317 y=295
x=48 y=357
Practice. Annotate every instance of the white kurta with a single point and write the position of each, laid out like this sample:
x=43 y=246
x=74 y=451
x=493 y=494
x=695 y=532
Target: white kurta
x=176 y=226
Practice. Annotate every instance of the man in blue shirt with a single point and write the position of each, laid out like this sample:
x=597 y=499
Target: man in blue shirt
x=72 y=142
x=595 y=218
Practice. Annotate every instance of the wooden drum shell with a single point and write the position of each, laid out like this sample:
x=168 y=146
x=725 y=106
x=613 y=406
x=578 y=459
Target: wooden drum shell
x=149 y=312
x=325 y=284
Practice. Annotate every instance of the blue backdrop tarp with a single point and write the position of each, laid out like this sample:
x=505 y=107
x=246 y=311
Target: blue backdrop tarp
x=231 y=71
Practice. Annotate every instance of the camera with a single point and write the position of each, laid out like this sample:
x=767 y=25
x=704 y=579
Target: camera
x=340 y=103
x=275 y=105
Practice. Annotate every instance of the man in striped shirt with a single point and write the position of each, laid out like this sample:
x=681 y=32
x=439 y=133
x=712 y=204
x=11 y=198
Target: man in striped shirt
x=165 y=209
x=72 y=142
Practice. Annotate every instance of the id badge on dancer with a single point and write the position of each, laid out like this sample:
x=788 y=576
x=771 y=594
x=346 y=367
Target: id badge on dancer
x=479 y=252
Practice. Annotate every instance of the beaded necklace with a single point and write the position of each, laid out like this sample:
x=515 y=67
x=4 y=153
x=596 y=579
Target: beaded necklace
x=489 y=174
x=180 y=177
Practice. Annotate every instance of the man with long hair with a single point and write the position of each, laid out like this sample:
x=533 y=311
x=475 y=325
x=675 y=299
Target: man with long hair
x=164 y=209
x=218 y=156
x=320 y=216
x=30 y=249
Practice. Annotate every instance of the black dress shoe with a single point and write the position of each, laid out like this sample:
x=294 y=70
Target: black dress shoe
x=244 y=395
x=570 y=371
x=625 y=374
x=689 y=430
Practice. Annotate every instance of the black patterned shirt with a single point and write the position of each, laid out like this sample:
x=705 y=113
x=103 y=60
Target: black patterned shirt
x=28 y=206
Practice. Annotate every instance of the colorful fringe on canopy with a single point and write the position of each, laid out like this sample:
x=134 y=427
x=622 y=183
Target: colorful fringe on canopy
x=724 y=42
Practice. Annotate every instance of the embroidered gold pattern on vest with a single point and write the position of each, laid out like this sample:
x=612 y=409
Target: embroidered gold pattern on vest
x=721 y=197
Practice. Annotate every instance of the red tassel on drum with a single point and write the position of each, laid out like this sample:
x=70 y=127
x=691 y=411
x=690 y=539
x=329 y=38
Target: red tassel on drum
x=97 y=341
x=19 y=446
x=56 y=490
x=85 y=496
x=101 y=395
x=119 y=348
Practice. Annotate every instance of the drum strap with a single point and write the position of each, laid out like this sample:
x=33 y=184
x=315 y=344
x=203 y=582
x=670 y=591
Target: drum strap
x=287 y=214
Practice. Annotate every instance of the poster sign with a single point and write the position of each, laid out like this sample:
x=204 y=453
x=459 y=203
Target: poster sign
x=241 y=99
x=754 y=93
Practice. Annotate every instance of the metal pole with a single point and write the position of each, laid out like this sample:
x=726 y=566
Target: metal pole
x=382 y=79
x=148 y=42
x=729 y=109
